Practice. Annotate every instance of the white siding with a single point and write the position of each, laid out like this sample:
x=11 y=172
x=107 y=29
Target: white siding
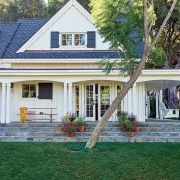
x=56 y=102
x=71 y=21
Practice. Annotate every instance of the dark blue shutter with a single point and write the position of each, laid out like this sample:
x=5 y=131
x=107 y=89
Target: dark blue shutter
x=91 y=39
x=55 y=39
x=45 y=91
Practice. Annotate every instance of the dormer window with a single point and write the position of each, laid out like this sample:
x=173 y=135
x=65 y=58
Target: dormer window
x=79 y=39
x=66 y=40
x=73 y=39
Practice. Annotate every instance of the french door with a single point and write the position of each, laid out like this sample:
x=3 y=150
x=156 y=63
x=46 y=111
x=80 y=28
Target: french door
x=89 y=102
x=104 y=99
x=97 y=100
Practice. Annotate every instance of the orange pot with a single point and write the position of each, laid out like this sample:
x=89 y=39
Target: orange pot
x=81 y=128
x=125 y=129
x=131 y=134
x=137 y=129
x=71 y=134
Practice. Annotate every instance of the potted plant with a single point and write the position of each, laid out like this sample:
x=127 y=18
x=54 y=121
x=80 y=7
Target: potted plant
x=72 y=118
x=65 y=121
x=70 y=130
x=131 y=117
x=130 y=127
x=136 y=126
x=80 y=123
x=122 y=117
x=123 y=124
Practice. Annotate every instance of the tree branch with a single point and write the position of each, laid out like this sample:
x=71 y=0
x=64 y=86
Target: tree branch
x=163 y=24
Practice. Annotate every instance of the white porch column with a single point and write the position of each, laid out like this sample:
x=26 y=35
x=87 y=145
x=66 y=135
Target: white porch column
x=146 y=103
x=160 y=100
x=134 y=100
x=65 y=98
x=3 y=103
x=70 y=97
x=83 y=113
x=130 y=101
x=157 y=105
x=8 y=91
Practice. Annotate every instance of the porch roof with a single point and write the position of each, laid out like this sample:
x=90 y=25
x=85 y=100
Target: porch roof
x=158 y=85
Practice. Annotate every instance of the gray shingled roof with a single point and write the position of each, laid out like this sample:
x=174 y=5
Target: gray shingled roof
x=13 y=36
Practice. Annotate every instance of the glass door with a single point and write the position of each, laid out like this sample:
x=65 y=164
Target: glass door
x=89 y=102
x=104 y=99
x=117 y=91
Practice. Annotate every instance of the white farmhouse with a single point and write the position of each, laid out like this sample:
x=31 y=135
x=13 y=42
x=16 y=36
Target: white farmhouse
x=52 y=63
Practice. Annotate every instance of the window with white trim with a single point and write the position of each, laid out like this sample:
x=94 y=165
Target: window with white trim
x=28 y=90
x=73 y=39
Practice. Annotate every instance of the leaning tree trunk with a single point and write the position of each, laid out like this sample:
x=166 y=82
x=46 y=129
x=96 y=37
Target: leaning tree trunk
x=93 y=138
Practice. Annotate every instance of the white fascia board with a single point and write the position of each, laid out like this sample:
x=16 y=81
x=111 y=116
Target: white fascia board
x=53 y=20
x=158 y=72
x=51 y=61
x=50 y=72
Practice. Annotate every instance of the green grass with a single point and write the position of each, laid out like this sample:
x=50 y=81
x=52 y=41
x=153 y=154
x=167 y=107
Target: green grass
x=124 y=161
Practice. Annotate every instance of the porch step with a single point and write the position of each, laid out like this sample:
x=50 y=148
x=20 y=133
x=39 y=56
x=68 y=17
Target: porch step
x=85 y=139
x=51 y=132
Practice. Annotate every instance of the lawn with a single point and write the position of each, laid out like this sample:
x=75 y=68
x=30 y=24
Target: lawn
x=124 y=161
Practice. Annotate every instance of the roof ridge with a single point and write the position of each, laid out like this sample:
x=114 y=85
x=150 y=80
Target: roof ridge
x=18 y=24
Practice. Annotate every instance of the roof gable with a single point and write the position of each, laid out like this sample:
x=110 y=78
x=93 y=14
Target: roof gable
x=53 y=20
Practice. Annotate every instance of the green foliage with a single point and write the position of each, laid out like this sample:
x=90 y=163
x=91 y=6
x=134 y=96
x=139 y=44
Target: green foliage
x=117 y=21
x=12 y=10
x=81 y=148
x=80 y=121
x=70 y=129
x=54 y=5
x=120 y=23
x=152 y=107
x=130 y=126
x=122 y=116
x=158 y=56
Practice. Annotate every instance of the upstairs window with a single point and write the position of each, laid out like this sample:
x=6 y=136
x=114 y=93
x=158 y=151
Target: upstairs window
x=66 y=40
x=79 y=39
x=73 y=39
x=28 y=90
x=59 y=39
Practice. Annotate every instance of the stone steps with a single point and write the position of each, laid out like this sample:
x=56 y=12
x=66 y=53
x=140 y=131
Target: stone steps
x=51 y=132
x=85 y=139
x=117 y=133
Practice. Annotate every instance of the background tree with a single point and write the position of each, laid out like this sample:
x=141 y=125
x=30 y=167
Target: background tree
x=106 y=14
x=12 y=10
x=54 y=5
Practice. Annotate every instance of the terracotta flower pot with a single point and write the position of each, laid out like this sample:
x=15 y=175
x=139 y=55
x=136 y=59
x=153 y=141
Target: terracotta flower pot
x=125 y=129
x=63 y=128
x=131 y=134
x=137 y=129
x=81 y=128
x=71 y=134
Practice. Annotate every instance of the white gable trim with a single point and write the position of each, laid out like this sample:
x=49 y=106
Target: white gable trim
x=43 y=29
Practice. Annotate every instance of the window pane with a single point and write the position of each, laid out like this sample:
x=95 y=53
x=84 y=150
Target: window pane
x=25 y=94
x=28 y=91
x=32 y=87
x=82 y=39
x=69 y=40
x=25 y=87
